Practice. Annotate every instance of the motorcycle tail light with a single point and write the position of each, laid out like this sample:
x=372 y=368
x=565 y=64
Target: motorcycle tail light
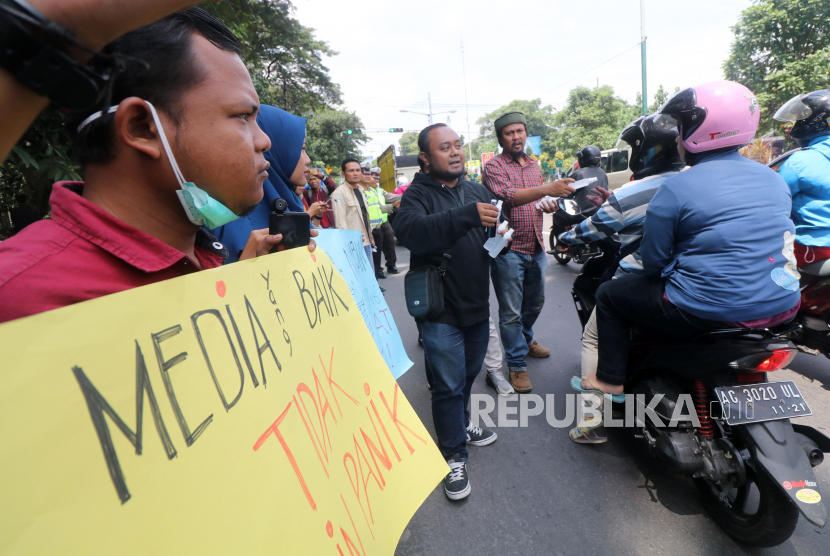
x=765 y=362
x=744 y=378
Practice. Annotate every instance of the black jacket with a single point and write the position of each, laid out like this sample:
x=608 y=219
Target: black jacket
x=430 y=222
x=588 y=208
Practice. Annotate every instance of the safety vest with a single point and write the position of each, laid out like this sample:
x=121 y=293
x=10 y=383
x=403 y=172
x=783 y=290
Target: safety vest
x=382 y=202
x=373 y=207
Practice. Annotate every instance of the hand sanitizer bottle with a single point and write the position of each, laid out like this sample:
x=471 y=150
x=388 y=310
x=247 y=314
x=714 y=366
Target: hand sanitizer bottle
x=492 y=241
x=501 y=241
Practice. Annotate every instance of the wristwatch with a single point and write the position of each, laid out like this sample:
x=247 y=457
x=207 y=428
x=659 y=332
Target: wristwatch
x=31 y=49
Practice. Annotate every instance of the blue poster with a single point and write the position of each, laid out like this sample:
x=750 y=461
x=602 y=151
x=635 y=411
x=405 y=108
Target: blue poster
x=535 y=144
x=345 y=248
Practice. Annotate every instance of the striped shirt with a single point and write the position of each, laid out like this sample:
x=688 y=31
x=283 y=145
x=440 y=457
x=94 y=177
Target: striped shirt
x=624 y=213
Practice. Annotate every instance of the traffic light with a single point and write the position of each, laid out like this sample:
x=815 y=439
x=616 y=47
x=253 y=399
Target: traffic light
x=353 y=132
x=395 y=130
x=349 y=131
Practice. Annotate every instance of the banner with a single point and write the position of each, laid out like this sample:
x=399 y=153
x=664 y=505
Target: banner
x=535 y=144
x=241 y=410
x=345 y=247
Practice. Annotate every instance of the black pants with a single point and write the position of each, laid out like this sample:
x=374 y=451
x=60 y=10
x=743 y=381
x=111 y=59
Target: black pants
x=385 y=241
x=636 y=300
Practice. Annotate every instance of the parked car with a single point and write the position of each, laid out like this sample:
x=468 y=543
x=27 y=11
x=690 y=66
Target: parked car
x=615 y=164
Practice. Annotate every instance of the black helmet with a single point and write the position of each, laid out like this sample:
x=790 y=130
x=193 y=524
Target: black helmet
x=810 y=113
x=653 y=141
x=588 y=156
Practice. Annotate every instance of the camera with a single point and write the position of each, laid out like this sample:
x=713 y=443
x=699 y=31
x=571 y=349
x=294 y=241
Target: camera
x=295 y=227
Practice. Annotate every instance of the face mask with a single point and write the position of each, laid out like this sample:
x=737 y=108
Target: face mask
x=201 y=208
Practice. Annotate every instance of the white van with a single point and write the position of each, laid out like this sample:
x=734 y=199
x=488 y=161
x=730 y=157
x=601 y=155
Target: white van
x=615 y=164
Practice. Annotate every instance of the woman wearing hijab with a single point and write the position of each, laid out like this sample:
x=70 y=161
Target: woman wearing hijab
x=288 y=169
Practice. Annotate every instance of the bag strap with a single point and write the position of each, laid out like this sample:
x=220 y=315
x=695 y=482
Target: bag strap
x=445 y=260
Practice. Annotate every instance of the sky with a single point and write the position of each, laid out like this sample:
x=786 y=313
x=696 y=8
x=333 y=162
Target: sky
x=393 y=54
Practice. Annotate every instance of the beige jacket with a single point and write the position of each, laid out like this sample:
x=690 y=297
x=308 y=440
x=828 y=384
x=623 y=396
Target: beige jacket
x=346 y=208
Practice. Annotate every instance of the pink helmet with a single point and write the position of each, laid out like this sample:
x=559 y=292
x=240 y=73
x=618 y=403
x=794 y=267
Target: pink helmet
x=714 y=115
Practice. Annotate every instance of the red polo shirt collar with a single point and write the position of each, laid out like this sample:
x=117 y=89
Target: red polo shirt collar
x=139 y=249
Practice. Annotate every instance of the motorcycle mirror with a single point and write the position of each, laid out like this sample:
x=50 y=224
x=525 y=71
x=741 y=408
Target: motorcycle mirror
x=569 y=206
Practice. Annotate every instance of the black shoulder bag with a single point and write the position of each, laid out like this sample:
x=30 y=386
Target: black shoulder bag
x=424 y=290
x=424 y=287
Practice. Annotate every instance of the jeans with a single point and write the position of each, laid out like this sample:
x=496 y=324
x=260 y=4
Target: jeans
x=455 y=357
x=636 y=300
x=427 y=370
x=519 y=281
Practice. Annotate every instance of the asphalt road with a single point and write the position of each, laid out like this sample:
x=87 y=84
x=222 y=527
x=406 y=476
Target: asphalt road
x=536 y=492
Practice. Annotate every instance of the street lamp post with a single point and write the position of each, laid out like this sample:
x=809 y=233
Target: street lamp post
x=431 y=113
x=643 y=52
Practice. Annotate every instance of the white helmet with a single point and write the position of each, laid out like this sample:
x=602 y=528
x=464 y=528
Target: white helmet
x=402 y=181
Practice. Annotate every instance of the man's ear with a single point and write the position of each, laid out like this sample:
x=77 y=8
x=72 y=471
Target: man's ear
x=423 y=156
x=135 y=128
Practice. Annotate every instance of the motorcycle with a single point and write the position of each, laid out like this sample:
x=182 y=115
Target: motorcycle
x=751 y=465
x=567 y=217
x=813 y=336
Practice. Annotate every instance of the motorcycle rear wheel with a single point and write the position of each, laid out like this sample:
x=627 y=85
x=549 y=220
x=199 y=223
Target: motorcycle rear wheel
x=561 y=258
x=771 y=523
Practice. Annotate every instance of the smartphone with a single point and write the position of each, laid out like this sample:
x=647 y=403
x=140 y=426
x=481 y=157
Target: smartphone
x=295 y=227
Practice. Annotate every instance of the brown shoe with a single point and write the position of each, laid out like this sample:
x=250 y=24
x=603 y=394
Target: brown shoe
x=520 y=381
x=535 y=350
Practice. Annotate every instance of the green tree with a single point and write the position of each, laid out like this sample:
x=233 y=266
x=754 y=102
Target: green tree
x=285 y=61
x=327 y=140
x=538 y=118
x=590 y=117
x=660 y=98
x=781 y=48
x=283 y=56
x=484 y=145
x=408 y=143
x=40 y=158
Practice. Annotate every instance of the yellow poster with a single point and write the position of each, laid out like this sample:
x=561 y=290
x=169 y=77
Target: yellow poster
x=205 y=415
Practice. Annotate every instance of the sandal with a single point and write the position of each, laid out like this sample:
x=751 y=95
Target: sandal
x=582 y=435
x=576 y=384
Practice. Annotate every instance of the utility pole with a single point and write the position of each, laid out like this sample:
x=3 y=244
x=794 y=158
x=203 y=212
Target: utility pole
x=643 y=51
x=466 y=105
x=429 y=100
x=430 y=115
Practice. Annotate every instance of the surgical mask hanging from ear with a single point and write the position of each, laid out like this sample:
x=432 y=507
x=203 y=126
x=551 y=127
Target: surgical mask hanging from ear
x=201 y=208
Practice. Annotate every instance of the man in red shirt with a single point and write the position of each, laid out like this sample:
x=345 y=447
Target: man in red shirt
x=519 y=275
x=135 y=221
x=315 y=194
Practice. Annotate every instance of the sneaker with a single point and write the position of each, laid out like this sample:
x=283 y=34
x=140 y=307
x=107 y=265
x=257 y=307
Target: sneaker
x=478 y=436
x=496 y=380
x=520 y=381
x=457 y=483
x=535 y=350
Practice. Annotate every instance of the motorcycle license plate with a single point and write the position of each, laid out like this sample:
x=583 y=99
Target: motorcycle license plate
x=766 y=401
